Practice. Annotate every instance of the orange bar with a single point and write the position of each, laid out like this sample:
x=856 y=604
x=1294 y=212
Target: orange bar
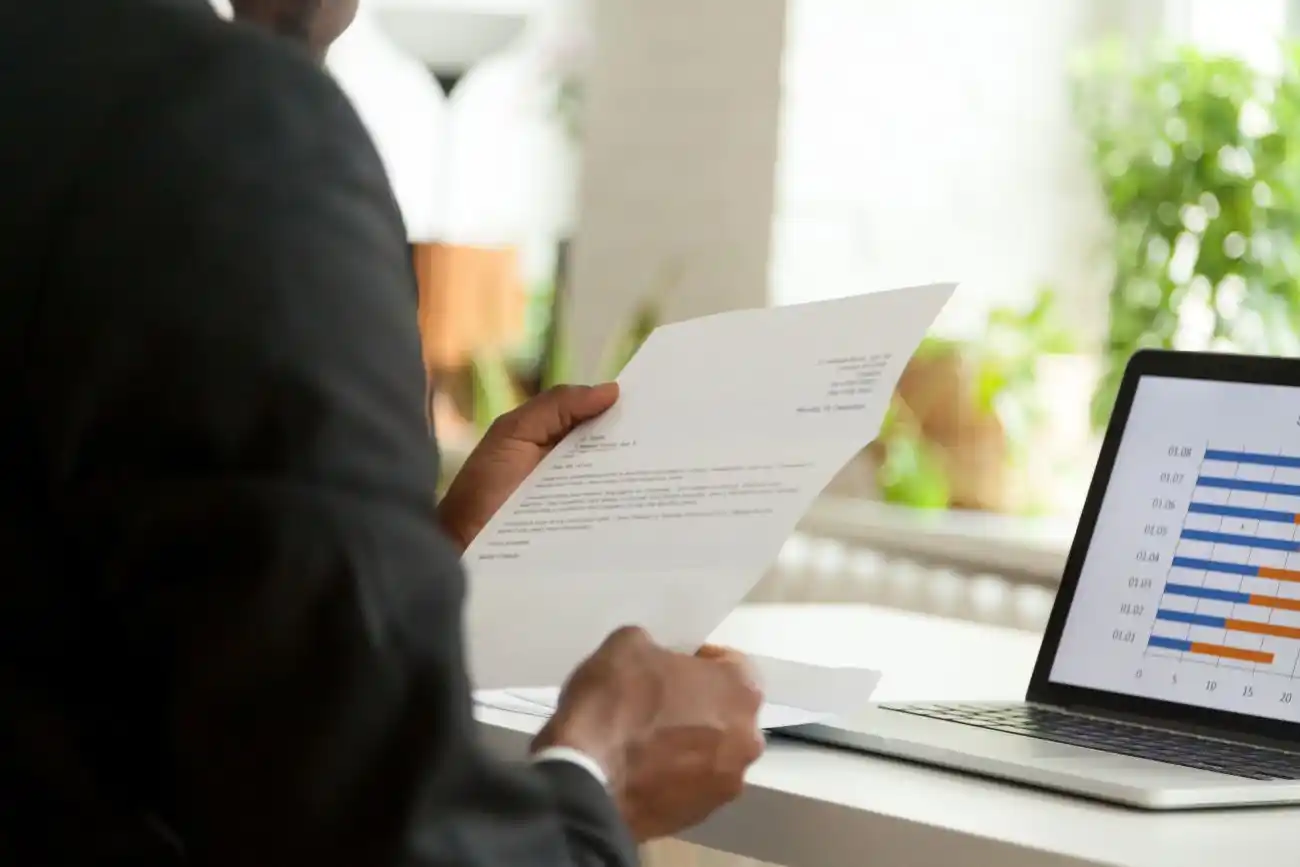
x=1262 y=628
x=1231 y=652
x=1295 y=519
x=1275 y=602
x=1280 y=574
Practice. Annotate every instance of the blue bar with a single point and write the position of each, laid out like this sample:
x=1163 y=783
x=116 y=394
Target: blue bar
x=1248 y=485
x=1252 y=458
x=1239 y=512
x=1244 y=541
x=1190 y=618
x=1208 y=593
x=1215 y=566
x=1169 y=643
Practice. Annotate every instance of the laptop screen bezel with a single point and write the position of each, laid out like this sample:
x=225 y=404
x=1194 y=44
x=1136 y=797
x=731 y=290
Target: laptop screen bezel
x=1173 y=365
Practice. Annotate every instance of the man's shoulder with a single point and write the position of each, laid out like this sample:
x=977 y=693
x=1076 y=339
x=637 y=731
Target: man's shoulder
x=96 y=91
x=112 y=60
x=245 y=63
x=196 y=86
x=116 y=103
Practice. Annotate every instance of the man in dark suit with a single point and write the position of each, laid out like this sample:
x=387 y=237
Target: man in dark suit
x=230 y=629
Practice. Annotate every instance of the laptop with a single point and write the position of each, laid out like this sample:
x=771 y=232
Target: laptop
x=1169 y=674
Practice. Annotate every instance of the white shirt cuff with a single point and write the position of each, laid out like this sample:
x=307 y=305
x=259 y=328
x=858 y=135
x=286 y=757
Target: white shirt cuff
x=573 y=757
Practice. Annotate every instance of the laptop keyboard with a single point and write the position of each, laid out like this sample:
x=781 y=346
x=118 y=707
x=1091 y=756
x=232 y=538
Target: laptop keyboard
x=1158 y=745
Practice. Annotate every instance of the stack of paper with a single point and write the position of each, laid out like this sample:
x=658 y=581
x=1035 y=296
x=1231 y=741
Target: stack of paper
x=796 y=693
x=667 y=510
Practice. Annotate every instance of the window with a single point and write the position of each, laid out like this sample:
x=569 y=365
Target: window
x=933 y=140
x=1250 y=30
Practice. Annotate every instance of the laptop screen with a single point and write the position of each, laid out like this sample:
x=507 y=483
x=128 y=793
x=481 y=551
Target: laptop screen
x=1190 y=589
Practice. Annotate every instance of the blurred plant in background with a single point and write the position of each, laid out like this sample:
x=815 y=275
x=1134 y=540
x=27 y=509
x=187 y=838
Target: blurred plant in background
x=966 y=415
x=1198 y=159
x=500 y=382
x=568 y=105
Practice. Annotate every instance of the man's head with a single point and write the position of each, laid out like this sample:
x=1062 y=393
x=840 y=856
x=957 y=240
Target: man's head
x=314 y=23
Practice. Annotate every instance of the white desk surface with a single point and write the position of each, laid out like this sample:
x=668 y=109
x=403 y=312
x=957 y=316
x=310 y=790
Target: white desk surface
x=807 y=806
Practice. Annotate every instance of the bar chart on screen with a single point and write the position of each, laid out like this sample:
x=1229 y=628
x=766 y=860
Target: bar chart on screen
x=1230 y=599
x=1189 y=591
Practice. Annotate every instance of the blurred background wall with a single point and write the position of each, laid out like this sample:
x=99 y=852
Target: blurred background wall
x=1100 y=175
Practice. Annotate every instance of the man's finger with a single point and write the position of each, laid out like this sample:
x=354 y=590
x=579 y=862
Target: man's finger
x=714 y=653
x=546 y=418
x=738 y=662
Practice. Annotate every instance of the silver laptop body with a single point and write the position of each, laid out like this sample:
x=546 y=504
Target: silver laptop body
x=1169 y=674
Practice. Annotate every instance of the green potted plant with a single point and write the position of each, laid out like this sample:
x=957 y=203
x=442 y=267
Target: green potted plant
x=1197 y=158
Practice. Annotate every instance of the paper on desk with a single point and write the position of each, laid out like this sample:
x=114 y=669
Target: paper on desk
x=502 y=699
x=795 y=693
x=665 y=511
x=770 y=716
x=824 y=691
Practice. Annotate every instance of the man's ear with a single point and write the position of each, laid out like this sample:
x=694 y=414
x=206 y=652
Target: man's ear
x=334 y=18
x=312 y=23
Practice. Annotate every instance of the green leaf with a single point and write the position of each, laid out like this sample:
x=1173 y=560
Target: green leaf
x=936 y=347
x=494 y=389
x=912 y=474
x=990 y=381
x=643 y=325
x=558 y=363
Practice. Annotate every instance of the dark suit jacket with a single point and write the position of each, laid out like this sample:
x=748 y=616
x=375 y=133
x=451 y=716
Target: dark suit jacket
x=229 y=633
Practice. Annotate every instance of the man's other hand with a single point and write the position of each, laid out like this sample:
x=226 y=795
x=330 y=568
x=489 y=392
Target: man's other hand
x=511 y=449
x=675 y=733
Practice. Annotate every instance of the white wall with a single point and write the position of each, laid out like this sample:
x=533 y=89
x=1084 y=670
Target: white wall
x=681 y=120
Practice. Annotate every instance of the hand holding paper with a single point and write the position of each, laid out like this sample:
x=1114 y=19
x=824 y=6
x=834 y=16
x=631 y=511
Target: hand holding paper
x=510 y=451
x=666 y=510
x=674 y=733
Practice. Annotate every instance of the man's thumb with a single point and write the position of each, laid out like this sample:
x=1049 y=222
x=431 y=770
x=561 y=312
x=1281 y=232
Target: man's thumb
x=593 y=400
x=553 y=413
